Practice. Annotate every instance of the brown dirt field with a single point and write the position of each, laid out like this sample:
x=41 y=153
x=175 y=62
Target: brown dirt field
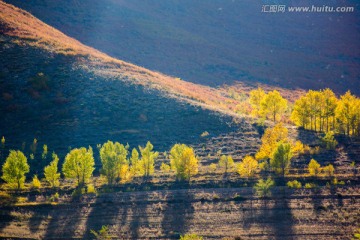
x=212 y=213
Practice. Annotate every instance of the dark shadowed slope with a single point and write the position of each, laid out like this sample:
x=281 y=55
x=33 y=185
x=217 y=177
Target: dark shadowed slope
x=218 y=41
x=66 y=94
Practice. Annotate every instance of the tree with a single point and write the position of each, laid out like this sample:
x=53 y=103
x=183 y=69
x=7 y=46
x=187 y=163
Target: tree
x=51 y=172
x=273 y=105
x=346 y=113
x=192 y=236
x=147 y=161
x=79 y=164
x=226 y=162
x=281 y=158
x=329 y=170
x=36 y=182
x=270 y=140
x=329 y=141
x=135 y=163
x=15 y=168
x=314 y=167
x=113 y=158
x=263 y=188
x=301 y=112
x=248 y=166
x=183 y=161
x=255 y=98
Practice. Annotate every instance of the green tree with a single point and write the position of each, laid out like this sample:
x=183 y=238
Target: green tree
x=263 y=188
x=183 y=161
x=148 y=157
x=51 y=172
x=281 y=158
x=226 y=162
x=329 y=141
x=136 y=168
x=79 y=164
x=273 y=105
x=113 y=158
x=314 y=167
x=15 y=168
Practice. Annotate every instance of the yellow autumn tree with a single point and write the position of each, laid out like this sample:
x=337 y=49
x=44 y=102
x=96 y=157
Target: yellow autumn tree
x=255 y=98
x=347 y=114
x=248 y=166
x=183 y=161
x=273 y=105
x=270 y=140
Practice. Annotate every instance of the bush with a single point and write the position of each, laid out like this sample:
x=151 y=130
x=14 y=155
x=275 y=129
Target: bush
x=212 y=167
x=263 y=188
x=329 y=141
x=165 y=167
x=310 y=185
x=102 y=234
x=191 y=237
x=329 y=170
x=55 y=197
x=314 y=167
x=91 y=189
x=294 y=184
x=36 y=182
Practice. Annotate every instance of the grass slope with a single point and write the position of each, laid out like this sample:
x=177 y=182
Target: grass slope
x=215 y=42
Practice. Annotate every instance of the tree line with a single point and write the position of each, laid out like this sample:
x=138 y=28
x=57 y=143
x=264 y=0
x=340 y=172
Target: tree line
x=316 y=110
x=120 y=165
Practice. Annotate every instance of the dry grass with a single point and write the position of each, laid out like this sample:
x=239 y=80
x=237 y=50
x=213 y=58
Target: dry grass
x=31 y=31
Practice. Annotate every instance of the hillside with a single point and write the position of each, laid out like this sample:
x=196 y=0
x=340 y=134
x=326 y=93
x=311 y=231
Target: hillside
x=68 y=95
x=216 y=42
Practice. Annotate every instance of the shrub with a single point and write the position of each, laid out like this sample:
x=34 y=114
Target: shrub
x=91 y=189
x=314 y=167
x=36 y=182
x=294 y=184
x=102 y=234
x=205 y=134
x=165 y=167
x=310 y=185
x=212 y=167
x=329 y=141
x=263 y=188
x=329 y=170
x=55 y=197
x=192 y=236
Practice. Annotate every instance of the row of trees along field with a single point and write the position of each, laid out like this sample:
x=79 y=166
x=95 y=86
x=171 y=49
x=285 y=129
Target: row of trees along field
x=121 y=166
x=79 y=164
x=316 y=110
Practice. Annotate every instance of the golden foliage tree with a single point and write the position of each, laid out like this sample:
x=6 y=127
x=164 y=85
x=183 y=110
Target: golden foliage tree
x=255 y=98
x=183 y=161
x=248 y=166
x=273 y=105
x=314 y=168
x=347 y=114
x=270 y=140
